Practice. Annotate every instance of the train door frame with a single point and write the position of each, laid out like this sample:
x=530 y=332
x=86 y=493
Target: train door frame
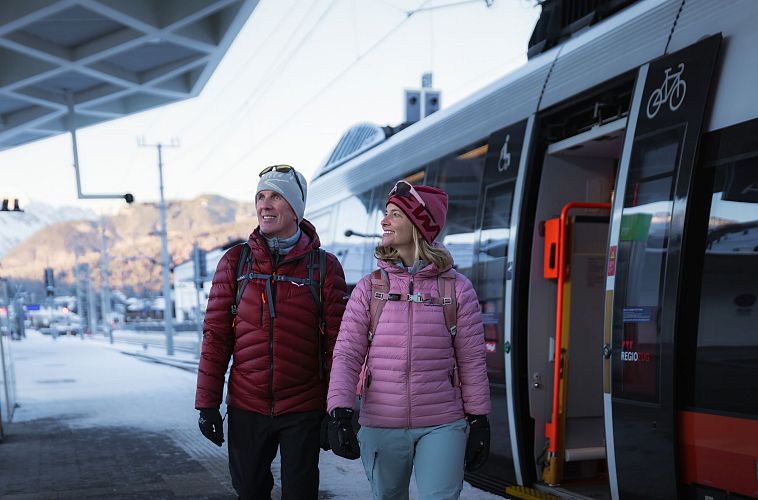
x=579 y=172
x=513 y=364
x=647 y=412
x=522 y=229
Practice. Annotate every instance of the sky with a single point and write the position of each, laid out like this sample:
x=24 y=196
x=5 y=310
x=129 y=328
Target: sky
x=297 y=76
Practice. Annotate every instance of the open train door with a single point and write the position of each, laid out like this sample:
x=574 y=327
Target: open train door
x=644 y=270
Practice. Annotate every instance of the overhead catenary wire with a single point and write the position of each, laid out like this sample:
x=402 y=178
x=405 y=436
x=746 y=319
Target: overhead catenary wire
x=284 y=54
x=192 y=124
x=284 y=62
x=314 y=97
x=495 y=71
x=355 y=28
x=246 y=65
x=488 y=3
x=275 y=72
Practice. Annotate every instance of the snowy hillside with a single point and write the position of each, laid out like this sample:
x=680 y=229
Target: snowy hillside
x=17 y=226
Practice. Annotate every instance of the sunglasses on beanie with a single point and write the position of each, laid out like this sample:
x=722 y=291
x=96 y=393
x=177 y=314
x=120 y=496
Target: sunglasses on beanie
x=405 y=190
x=284 y=169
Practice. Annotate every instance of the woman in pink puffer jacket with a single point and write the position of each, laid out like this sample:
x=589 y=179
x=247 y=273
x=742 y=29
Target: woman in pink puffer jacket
x=425 y=393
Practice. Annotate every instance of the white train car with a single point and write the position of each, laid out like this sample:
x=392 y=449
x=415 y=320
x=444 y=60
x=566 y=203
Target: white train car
x=604 y=202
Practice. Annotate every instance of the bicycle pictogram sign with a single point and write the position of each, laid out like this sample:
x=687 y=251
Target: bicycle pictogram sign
x=672 y=91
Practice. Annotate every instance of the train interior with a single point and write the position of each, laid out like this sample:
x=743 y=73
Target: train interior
x=577 y=180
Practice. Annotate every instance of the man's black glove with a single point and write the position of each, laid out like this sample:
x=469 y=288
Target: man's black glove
x=478 y=444
x=342 y=437
x=324 y=437
x=212 y=425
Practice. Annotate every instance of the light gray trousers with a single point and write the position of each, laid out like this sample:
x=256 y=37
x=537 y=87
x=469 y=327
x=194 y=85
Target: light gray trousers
x=436 y=453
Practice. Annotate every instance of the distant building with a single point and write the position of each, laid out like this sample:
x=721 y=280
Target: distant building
x=186 y=295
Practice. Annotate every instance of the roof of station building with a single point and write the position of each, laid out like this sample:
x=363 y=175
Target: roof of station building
x=105 y=59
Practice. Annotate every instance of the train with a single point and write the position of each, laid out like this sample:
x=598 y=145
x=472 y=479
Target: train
x=603 y=200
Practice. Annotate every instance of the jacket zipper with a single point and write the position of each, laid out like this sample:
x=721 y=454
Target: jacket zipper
x=271 y=330
x=271 y=344
x=408 y=356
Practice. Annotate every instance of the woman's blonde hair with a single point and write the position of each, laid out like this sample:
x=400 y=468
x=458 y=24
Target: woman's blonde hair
x=437 y=256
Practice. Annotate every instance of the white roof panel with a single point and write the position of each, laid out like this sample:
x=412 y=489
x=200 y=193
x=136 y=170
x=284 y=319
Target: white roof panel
x=113 y=57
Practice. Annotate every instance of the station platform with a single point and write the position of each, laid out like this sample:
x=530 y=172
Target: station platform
x=97 y=420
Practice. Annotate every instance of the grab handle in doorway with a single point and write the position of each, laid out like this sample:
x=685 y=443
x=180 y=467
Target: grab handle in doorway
x=552 y=427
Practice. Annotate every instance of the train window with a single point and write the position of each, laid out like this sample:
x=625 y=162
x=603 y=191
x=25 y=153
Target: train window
x=491 y=264
x=726 y=360
x=352 y=245
x=460 y=176
x=643 y=246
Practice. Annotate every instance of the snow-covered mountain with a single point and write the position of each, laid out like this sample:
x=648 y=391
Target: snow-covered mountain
x=15 y=227
x=134 y=249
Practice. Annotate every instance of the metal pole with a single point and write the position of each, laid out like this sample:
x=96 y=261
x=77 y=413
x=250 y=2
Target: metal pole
x=105 y=292
x=91 y=308
x=78 y=271
x=198 y=282
x=5 y=369
x=168 y=311
x=168 y=320
x=72 y=129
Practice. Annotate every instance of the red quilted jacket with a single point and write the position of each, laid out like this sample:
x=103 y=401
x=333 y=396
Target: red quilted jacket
x=275 y=363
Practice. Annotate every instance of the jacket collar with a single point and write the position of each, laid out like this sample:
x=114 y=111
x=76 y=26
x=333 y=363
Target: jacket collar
x=307 y=242
x=428 y=271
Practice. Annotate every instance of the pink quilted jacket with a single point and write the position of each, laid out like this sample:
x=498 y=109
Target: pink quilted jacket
x=411 y=358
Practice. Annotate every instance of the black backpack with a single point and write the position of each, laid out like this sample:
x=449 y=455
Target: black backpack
x=316 y=261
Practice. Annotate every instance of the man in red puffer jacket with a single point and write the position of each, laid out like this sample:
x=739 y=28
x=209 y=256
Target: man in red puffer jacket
x=280 y=343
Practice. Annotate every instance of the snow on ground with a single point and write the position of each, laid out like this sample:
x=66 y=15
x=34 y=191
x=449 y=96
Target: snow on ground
x=89 y=383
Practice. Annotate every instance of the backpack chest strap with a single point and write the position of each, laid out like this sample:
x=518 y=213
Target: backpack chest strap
x=422 y=298
x=268 y=298
x=275 y=277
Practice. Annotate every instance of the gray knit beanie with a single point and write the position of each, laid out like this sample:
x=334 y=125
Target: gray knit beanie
x=286 y=184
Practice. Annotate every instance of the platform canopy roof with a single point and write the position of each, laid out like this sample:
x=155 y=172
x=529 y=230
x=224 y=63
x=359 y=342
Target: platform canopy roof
x=105 y=59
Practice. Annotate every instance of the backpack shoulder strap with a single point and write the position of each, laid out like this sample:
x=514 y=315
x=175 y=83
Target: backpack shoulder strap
x=380 y=287
x=244 y=267
x=317 y=260
x=446 y=287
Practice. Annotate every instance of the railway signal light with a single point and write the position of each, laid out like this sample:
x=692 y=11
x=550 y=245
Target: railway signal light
x=199 y=263
x=10 y=205
x=49 y=282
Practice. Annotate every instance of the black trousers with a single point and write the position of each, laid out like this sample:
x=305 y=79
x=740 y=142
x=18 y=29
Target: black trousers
x=253 y=441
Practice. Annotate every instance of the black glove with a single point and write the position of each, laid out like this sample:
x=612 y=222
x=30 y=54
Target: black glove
x=478 y=444
x=212 y=425
x=324 y=438
x=342 y=437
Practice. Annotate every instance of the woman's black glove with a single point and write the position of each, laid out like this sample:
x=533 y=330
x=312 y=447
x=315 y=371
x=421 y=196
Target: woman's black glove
x=342 y=437
x=212 y=425
x=478 y=444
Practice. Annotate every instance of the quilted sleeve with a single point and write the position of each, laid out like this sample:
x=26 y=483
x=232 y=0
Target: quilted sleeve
x=350 y=349
x=335 y=297
x=218 y=334
x=469 y=350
